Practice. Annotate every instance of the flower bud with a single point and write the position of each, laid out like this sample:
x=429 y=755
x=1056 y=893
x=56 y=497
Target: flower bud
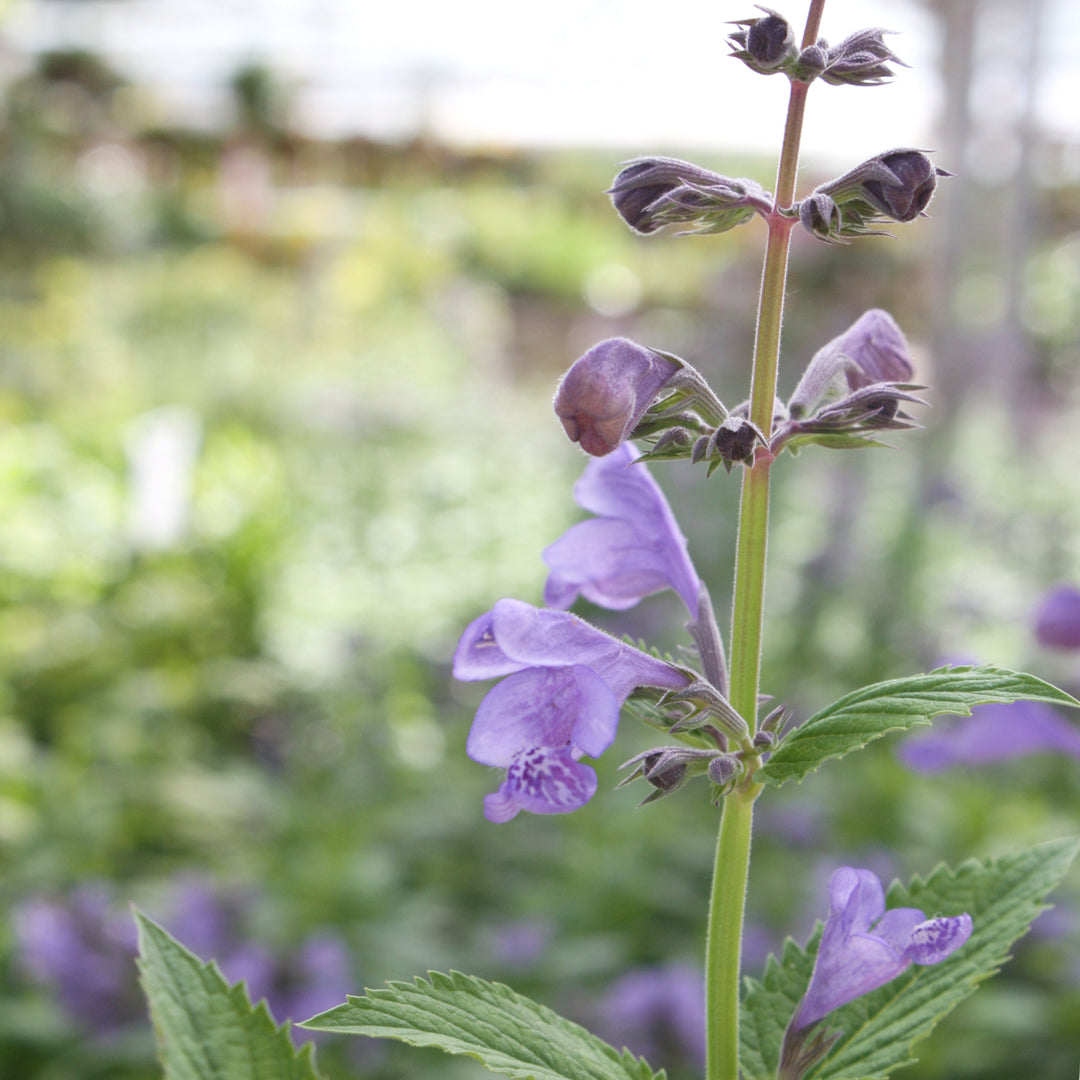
x=766 y=44
x=652 y=192
x=723 y=769
x=861 y=59
x=820 y=216
x=607 y=391
x=733 y=441
x=895 y=186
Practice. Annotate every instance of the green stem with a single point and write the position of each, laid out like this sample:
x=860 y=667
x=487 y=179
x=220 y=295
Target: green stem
x=727 y=901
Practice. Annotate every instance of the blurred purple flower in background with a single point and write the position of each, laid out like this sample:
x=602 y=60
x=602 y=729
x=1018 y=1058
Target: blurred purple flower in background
x=657 y=1011
x=1057 y=618
x=566 y=682
x=632 y=548
x=993 y=732
x=863 y=946
x=82 y=948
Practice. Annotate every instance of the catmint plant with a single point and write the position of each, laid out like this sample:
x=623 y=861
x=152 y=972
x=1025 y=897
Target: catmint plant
x=885 y=964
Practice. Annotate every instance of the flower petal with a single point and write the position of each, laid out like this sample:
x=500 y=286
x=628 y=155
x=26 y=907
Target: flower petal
x=546 y=707
x=935 y=939
x=535 y=637
x=478 y=656
x=543 y=782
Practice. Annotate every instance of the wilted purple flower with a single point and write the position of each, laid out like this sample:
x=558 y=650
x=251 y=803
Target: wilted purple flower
x=632 y=548
x=656 y=1010
x=606 y=392
x=1057 y=618
x=561 y=700
x=872 y=350
x=993 y=732
x=863 y=946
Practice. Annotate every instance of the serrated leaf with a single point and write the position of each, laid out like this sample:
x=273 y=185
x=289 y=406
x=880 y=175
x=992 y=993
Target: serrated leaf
x=508 y=1033
x=205 y=1028
x=1003 y=896
x=864 y=715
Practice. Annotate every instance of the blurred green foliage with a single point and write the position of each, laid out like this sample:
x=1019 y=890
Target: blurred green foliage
x=365 y=341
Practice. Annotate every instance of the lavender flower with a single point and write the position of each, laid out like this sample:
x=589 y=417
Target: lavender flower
x=1057 y=618
x=632 y=548
x=993 y=732
x=561 y=701
x=606 y=392
x=863 y=946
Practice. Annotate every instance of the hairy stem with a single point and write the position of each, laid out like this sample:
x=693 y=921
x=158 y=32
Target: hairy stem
x=728 y=898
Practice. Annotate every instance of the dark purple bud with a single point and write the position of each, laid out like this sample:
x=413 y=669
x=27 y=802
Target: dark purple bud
x=895 y=186
x=766 y=44
x=723 y=769
x=908 y=196
x=607 y=391
x=811 y=62
x=667 y=768
x=861 y=60
x=769 y=40
x=820 y=216
x=1057 y=618
x=652 y=192
x=732 y=442
x=764 y=740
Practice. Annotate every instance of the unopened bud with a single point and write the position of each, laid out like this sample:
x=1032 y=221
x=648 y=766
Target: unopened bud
x=764 y=740
x=820 y=216
x=862 y=59
x=607 y=391
x=723 y=769
x=895 y=186
x=652 y=192
x=766 y=44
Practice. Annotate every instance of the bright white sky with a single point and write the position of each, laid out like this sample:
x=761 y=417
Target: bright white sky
x=623 y=73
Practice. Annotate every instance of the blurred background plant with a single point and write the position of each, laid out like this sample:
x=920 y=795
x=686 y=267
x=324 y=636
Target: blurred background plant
x=275 y=425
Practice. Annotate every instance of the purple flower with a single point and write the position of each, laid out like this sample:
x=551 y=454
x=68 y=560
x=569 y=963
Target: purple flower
x=606 y=392
x=993 y=732
x=566 y=681
x=863 y=946
x=632 y=548
x=1057 y=618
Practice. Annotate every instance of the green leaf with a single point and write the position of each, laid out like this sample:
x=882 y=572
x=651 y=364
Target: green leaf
x=508 y=1033
x=1002 y=896
x=861 y=717
x=207 y=1030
